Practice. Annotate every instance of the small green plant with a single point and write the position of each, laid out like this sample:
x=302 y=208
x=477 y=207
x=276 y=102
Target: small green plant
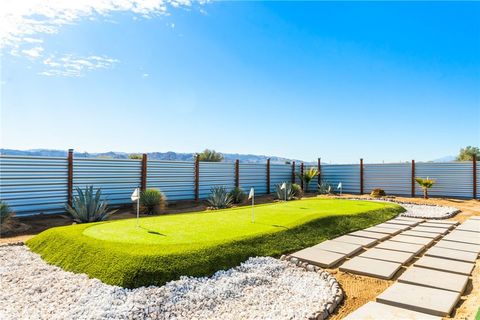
x=286 y=193
x=324 y=187
x=135 y=156
x=308 y=176
x=152 y=201
x=237 y=195
x=425 y=184
x=5 y=212
x=377 y=193
x=219 y=198
x=210 y=156
x=297 y=191
x=87 y=206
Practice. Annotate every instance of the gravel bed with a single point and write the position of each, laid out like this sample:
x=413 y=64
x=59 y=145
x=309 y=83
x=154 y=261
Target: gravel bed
x=260 y=288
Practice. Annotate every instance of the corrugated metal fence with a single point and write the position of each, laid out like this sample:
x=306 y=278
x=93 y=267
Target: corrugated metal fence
x=32 y=185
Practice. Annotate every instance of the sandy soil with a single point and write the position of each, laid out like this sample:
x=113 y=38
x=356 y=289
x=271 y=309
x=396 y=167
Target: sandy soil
x=358 y=289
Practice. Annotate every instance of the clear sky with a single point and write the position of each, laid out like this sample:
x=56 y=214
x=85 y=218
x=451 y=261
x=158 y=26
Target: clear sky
x=382 y=81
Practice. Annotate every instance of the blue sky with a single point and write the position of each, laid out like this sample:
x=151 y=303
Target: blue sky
x=382 y=81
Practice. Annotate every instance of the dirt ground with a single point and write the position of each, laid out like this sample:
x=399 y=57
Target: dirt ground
x=358 y=289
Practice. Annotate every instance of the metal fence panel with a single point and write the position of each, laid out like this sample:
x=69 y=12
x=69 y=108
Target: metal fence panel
x=176 y=179
x=215 y=174
x=394 y=178
x=279 y=173
x=347 y=174
x=253 y=175
x=454 y=179
x=33 y=184
x=117 y=178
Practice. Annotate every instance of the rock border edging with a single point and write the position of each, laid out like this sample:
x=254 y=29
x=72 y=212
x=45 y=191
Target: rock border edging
x=331 y=305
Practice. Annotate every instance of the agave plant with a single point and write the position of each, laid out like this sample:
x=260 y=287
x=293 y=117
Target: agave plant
x=153 y=201
x=425 y=184
x=219 y=198
x=286 y=193
x=210 y=156
x=237 y=195
x=324 y=187
x=308 y=176
x=5 y=212
x=88 y=207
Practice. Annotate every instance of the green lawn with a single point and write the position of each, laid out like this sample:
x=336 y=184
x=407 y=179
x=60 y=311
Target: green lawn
x=166 y=247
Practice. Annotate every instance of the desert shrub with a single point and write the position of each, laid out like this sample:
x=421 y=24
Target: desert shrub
x=219 y=198
x=87 y=206
x=284 y=194
x=308 y=176
x=152 y=201
x=210 y=156
x=5 y=212
x=378 y=193
x=297 y=191
x=426 y=184
x=324 y=187
x=237 y=195
x=135 y=156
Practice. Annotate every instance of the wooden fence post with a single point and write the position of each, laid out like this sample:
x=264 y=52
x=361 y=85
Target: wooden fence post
x=268 y=176
x=237 y=173
x=319 y=168
x=70 y=177
x=361 y=175
x=143 y=178
x=293 y=171
x=301 y=175
x=474 y=166
x=413 y=179
x=197 y=177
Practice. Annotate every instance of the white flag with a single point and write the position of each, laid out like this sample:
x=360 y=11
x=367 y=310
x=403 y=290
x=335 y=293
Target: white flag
x=339 y=185
x=284 y=186
x=135 y=195
x=251 y=194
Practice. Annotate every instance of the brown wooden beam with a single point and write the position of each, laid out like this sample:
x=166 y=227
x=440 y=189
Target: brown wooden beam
x=413 y=179
x=301 y=175
x=197 y=177
x=293 y=171
x=361 y=176
x=70 y=177
x=143 y=178
x=474 y=166
x=237 y=173
x=268 y=176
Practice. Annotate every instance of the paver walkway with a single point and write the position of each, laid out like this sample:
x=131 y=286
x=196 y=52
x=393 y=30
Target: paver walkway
x=430 y=287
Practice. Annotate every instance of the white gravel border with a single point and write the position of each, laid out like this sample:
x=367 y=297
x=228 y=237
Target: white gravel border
x=260 y=288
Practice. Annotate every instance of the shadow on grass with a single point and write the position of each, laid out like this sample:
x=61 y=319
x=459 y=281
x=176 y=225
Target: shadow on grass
x=153 y=232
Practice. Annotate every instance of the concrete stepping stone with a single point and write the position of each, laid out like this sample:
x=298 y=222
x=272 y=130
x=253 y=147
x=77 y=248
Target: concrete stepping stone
x=463 y=236
x=469 y=227
x=452 y=254
x=446 y=222
x=401 y=246
x=412 y=239
x=365 y=242
x=445 y=265
x=318 y=257
x=434 y=279
x=436 y=225
x=403 y=223
x=458 y=246
x=392 y=226
x=374 y=310
x=430 y=229
x=369 y=234
x=383 y=230
x=339 y=247
x=433 y=301
x=422 y=234
x=410 y=219
x=371 y=267
x=388 y=255
x=476 y=218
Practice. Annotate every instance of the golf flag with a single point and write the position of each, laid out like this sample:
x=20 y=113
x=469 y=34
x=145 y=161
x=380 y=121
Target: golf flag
x=339 y=185
x=284 y=186
x=135 y=195
x=251 y=194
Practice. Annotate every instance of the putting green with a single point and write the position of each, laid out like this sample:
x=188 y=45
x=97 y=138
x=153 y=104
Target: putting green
x=166 y=247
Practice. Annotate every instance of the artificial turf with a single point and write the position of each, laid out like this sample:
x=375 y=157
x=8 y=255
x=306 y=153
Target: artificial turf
x=166 y=247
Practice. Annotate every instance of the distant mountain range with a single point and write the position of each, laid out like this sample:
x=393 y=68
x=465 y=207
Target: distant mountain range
x=170 y=155
x=445 y=159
